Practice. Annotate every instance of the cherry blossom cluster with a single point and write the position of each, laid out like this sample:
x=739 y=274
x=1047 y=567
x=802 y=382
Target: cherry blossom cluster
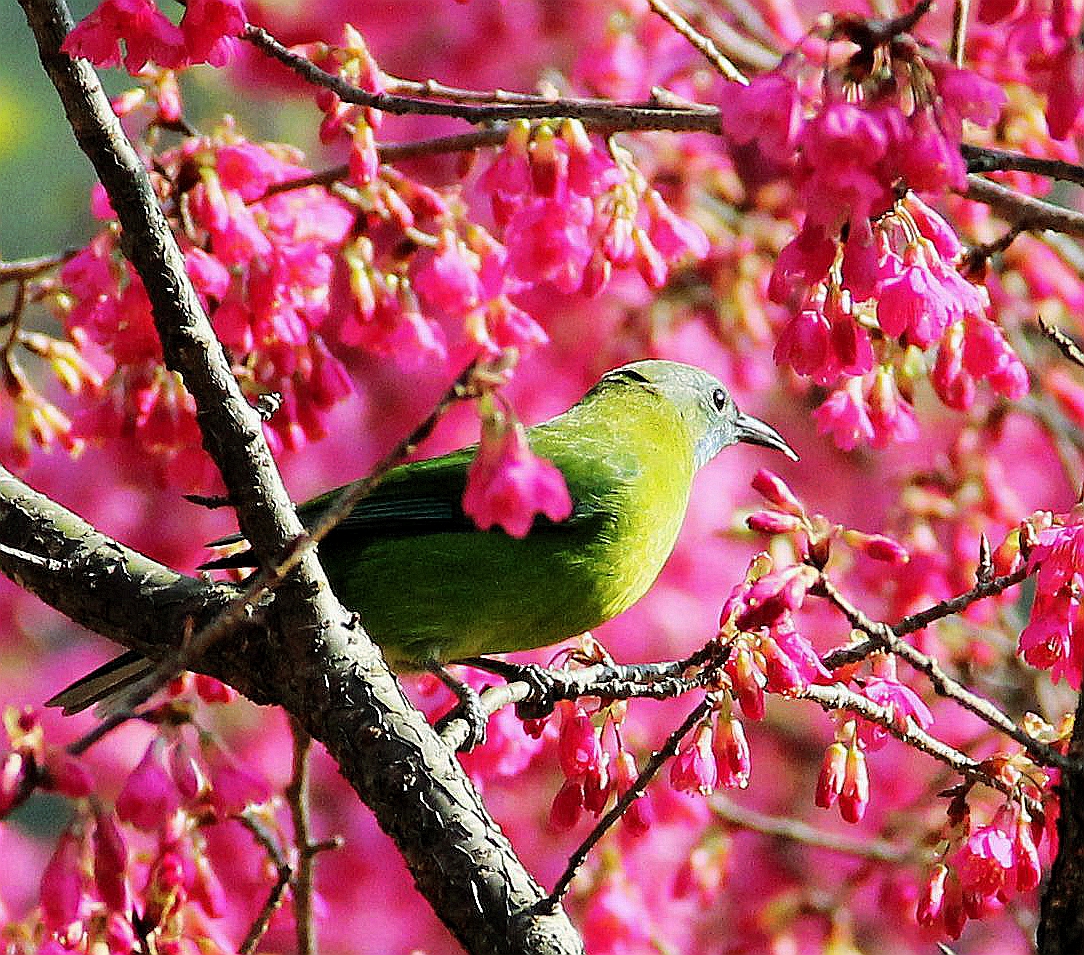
x=873 y=274
x=716 y=756
x=142 y=869
x=980 y=867
x=1041 y=41
x=592 y=773
x=206 y=34
x=262 y=265
x=1052 y=639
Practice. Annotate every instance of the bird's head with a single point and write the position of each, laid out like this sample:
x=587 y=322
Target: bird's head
x=714 y=420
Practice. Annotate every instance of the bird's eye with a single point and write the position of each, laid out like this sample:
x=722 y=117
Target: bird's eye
x=719 y=397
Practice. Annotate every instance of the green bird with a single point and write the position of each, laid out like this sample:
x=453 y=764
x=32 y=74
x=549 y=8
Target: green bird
x=431 y=588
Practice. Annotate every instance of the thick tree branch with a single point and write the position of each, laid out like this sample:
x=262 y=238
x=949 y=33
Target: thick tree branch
x=1061 y=916
x=315 y=661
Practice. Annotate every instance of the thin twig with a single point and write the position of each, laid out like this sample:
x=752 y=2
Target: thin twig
x=701 y=43
x=984 y=159
x=960 y=12
x=23 y=269
x=668 y=749
x=794 y=830
x=278 y=891
x=839 y=697
x=639 y=115
x=1066 y=344
x=297 y=798
x=1030 y=214
x=884 y=637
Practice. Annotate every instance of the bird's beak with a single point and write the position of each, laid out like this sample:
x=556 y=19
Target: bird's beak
x=752 y=430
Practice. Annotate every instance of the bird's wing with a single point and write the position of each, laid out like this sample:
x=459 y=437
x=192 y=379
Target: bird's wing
x=424 y=497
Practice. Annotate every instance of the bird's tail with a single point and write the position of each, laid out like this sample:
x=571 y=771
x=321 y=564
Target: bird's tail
x=102 y=684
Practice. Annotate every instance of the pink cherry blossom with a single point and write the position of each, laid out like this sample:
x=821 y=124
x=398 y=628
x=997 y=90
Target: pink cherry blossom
x=507 y=485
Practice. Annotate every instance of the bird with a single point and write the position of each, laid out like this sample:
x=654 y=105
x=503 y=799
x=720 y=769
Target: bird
x=432 y=588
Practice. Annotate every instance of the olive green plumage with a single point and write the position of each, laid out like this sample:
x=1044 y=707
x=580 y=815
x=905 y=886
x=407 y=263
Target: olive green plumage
x=430 y=587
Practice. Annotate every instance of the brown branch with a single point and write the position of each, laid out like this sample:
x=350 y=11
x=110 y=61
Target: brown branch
x=1061 y=918
x=23 y=269
x=701 y=43
x=984 y=159
x=883 y=637
x=610 y=114
x=794 y=830
x=1066 y=344
x=277 y=893
x=961 y=9
x=1029 y=214
x=297 y=798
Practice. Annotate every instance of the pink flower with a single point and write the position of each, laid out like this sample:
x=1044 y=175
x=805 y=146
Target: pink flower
x=933 y=227
x=768 y=112
x=800 y=652
x=111 y=863
x=747 y=682
x=830 y=780
x=893 y=419
x=763 y=602
x=1065 y=90
x=854 y=795
x=399 y=332
x=843 y=415
x=776 y=492
x=548 y=241
x=915 y=302
x=932 y=897
x=364 y=159
x=966 y=95
x=507 y=484
x=149 y=796
x=677 y=239
x=804 y=342
x=578 y=744
x=878 y=547
x=567 y=806
x=732 y=754
x=62 y=886
x=210 y=29
x=694 y=769
x=640 y=815
x=447 y=281
x=772 y=522
x=1059 y=554
x=802 y=263
x=985 y=860
x=1028 y=869
x=860 y=268
x=954 y=386
x=1050 y=641
x=901 y=701
x=147 y=34
x=929 y=160
x=986 y=354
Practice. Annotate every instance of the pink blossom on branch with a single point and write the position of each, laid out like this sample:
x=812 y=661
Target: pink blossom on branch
x=507 y=484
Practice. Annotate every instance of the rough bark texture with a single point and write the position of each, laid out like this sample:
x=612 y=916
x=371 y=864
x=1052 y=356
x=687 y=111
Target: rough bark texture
x=311 y=657
x=1061 y=918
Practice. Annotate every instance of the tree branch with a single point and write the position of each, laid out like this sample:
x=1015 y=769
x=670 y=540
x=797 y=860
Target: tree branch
x=315 y=660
